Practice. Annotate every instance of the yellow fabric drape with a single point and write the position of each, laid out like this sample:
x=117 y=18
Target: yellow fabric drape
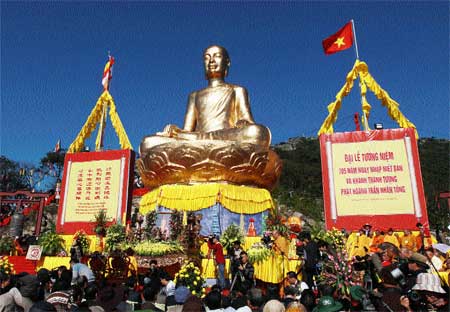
x=68 y=239
x=362 y=70
x=95 y=118
x=238 y=199
x=269 y=271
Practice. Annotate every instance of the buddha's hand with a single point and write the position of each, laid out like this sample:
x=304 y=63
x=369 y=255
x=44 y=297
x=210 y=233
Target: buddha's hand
x=170 y=131
x=242 y=123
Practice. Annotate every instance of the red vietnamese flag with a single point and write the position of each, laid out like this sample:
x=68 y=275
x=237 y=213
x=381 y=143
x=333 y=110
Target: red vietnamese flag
x=340 y=41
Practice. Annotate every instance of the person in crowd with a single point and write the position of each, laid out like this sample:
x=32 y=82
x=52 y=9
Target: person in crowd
x=168 y=289
x=213 y=301
x=274 y=306
x=153 y=276
x=377 y=240
x=42 y=306
x=417 y=264
x=193 y=303
x=216 y=248
x=296 y=307
x=408 y=240
x=432 y=296
x=246 y=273
x=255 y=299
x=240 y=304
x=182 y=293
x=79 y=270
x=60 y=296
x=308 y=299
x=390 y=290
x=235 y=255
x=367 y=229
x=76 y=251
x=11 y=296
x=433 y=260
x=148 y=299
x=280 y=243
x=311 y=258
x=291 y=294
x=392 y=238
x=226 y=304
x=293 y=281
x=327 y=304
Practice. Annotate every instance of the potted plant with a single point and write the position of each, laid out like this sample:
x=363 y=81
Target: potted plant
x=115 y=235
x=51 y=243
x=230 y=235
x=83 y=240
x=190 y=276
x=101 y=221
x=6 y=245
x=6 y=267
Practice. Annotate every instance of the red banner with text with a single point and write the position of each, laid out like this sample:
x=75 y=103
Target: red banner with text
x=372 y=177
x=94 y=181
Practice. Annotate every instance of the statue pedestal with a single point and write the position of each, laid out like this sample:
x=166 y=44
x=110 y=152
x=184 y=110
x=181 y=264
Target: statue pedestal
x=209 y=161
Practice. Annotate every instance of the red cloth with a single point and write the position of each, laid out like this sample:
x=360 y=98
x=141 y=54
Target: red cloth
x=218 y=252
x=340 y=41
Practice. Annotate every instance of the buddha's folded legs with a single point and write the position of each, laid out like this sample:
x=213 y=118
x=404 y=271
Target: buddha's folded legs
x=253 y=134
x=153 y=140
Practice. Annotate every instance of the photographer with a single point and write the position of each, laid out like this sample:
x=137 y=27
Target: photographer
x=216 y=248
x=391 y=291
x=429 y=295
x=246 y=272
x=235 y=255
x=311 y=257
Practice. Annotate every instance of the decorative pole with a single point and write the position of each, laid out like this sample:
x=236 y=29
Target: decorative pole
x=364 y=116
x=354 y=38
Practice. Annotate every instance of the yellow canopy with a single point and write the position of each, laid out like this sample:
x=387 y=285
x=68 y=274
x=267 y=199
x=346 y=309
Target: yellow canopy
x=238 y=199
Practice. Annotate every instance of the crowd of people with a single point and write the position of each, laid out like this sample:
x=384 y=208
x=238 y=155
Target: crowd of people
x=397 y=273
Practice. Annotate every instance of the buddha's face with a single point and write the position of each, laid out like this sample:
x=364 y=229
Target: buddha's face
x=216 y=62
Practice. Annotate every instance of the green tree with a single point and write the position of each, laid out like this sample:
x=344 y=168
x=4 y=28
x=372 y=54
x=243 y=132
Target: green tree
x=434 y=161
x=10 y=177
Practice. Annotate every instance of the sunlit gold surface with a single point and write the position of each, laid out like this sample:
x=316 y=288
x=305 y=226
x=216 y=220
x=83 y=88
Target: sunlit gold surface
x=210 y=161
x=220 y=140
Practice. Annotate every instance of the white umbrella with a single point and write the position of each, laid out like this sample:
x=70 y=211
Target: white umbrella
x=442 y=248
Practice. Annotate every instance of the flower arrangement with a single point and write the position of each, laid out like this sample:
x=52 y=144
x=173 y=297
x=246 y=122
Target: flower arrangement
x=190 y=276
x=150 y=222
x=176 y=224
x=155 y=249
x=5 y=266
x=338 y=272
x=230 y=235
x=100 y=222
x=258 y=253
x=83 y=240
x=277 y=221
x=115 y=235
x=334 y=238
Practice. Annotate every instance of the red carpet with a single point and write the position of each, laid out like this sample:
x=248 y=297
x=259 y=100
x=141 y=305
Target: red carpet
x=22 y=265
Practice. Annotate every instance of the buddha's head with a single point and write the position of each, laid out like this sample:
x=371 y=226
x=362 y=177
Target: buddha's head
x=216 y=61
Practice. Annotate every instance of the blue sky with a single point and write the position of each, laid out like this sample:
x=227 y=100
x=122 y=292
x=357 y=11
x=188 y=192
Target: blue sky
x=53 y=53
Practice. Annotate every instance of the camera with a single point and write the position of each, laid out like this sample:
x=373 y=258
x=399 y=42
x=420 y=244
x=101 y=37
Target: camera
x=267 y=240
x=399 y=276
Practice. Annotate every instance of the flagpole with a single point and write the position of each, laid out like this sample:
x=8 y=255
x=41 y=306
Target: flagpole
x=354 y=38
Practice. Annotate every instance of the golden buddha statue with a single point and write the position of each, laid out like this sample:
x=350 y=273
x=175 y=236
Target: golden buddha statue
x=220 y=140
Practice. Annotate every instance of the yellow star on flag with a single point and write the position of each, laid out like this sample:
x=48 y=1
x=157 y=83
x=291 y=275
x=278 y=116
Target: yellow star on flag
x=340 y=42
